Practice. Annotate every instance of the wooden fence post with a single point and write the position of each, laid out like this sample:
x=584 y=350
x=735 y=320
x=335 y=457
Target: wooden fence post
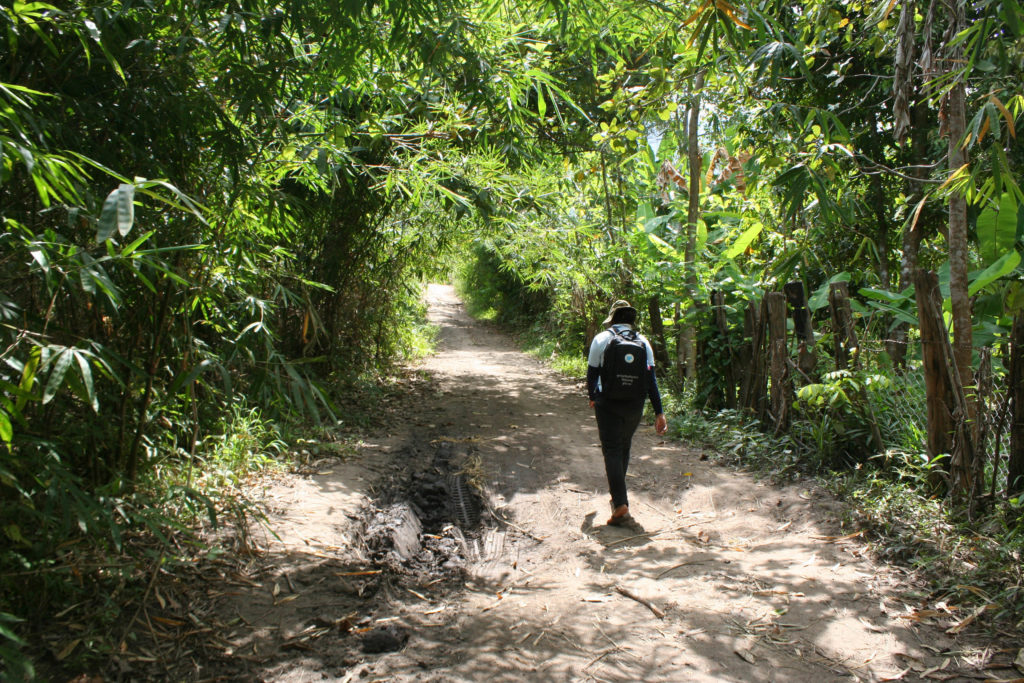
x=1015 y=385
x=965 y=468
x=938 y=391
x=722 y=325
x=843 y=332
x=807 y=359
x=781 y=383
x=755 y=380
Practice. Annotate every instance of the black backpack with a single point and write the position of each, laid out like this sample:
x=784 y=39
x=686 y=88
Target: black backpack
x=624 y=368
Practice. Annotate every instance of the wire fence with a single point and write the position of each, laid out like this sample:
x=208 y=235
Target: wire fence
x=902 y=405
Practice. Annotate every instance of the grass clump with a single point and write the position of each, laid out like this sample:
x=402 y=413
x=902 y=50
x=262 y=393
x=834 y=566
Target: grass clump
x=572 y=365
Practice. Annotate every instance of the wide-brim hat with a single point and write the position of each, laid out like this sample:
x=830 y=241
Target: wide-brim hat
x=618 y=305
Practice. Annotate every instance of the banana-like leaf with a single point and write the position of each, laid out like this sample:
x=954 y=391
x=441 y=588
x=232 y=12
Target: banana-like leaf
x=1002 y=267
x=997 y=230
x=665 y=248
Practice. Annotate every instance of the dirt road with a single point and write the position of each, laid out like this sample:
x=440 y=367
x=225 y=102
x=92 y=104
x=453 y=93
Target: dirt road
x=729 y=579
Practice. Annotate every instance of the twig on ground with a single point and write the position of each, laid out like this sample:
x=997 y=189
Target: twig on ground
x=511 y=523
x=145 y=595
x=604 y=653
x=648 y=534
x=681 y=564
x=643 y=601
x=504 y=590
x=607 y=637
x=658 y=511
x=839 y=539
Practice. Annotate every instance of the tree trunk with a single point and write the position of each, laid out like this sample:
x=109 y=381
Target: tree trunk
x=677 y=317
x=956 y=119
x=881 y=210
x=657 y=331
x=727 y=380
x=912 y=236
x=755 y=382
x=807 y=359
x=692 y=214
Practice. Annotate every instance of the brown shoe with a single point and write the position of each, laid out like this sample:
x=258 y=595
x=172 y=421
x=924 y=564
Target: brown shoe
x=620 y=516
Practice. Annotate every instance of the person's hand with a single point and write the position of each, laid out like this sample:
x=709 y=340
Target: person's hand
x=591 y=404
x=660 y=424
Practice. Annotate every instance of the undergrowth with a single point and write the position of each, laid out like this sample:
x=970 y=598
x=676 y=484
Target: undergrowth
x=69 y=593
x=69 y=589
x=550 y=351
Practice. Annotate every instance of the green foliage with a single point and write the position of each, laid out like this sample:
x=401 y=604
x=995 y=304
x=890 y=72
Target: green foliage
x=245 y=445
x=570 y=363
x=836 y=414
x=970 y=562
x=12 y=660
x=997 y=230
x=106 y=537
x=212 y=205
x=488 y=283
x=209 y=206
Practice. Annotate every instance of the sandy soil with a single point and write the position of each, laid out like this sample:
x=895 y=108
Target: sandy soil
x=743 y=581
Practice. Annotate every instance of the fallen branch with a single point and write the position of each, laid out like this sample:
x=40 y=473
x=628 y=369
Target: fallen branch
x=643 y=601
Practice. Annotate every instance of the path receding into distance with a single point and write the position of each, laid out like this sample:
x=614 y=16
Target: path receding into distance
x=731 y=579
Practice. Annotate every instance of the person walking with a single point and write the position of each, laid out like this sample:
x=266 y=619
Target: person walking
x=620 y=378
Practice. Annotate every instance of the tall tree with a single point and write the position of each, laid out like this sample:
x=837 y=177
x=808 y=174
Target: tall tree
x=964 y=465
x=692 y=214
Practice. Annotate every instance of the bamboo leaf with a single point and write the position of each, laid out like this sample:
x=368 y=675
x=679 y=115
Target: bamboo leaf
x=6 y=431
x=127 y=251
x=87 y=382
x=1007 y=116
x=118 y=213
x=60 y=369
x=885 y=295
x=744 y=241
x=28 y=377
x=917 y=214
x=664 y=247
x=958 y=174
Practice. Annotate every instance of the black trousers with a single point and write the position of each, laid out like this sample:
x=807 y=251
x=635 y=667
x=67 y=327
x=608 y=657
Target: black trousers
x=616 y=424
